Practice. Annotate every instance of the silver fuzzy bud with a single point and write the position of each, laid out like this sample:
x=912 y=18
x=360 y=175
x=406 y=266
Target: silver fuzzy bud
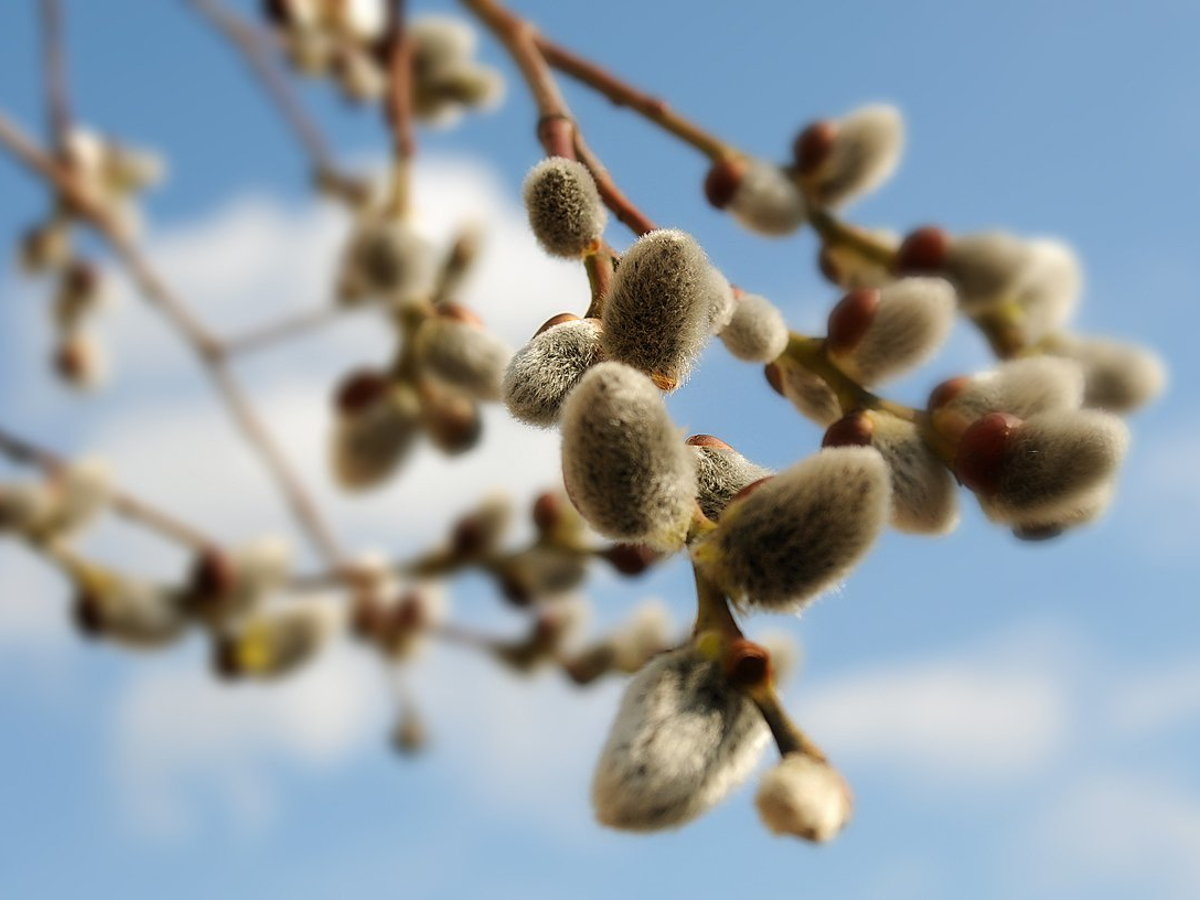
x=370 y=443
x=864 y=153
x=544 y=371
x=465 y=355
x=767 y=201
x=720 y=473
x=683 y=738
x=808 y=393
x=801 y=532
x=665 y=300
x=756 y=332
x=1118 y=377
x=127 y=611
x=986 y=268
x=1049 y=291
x=1024 y=387
x=912 y=318
x=924 y=494
x=564 y=207
x=387 y=259
x=624 y=466
x=804 y=797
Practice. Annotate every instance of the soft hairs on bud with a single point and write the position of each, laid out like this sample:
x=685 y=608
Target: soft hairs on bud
x=564 y=207
x=766 y=200
x=807 y=392
x=986 y=268
x=665 y=300
x=1054 y=463
x=756 y=332
x=624 y=465
x=1023 y=387
x=805 y=797
x=721 y=473
x=800 y=532
x=544 y=371
x=388 y=259
x=464 y=355
x=912 y=319
x=924 y=495
x=1118 y=377
x=369 y=444
x=683 y=738
x=863 y=154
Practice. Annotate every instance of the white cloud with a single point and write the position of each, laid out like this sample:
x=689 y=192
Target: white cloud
x=999 y=713
x=1120 y=831
x=1160 y=699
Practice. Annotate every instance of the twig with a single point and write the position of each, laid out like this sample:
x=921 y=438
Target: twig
x=206 y=347
x=398 y=107
x=292 y=326
x=254 y=48
x=24 y=451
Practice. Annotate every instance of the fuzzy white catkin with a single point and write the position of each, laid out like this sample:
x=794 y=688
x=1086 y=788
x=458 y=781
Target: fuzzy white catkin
x=441 y=44
x=1118 y=377
x=767 y=201
x=278 y=641
x=801 y=532
x=130 y=611
x=1023 y=387
x=1054 y=461
x=912 y=320
x=625 y=467
x=924 y=494
x=719 y=475
x=1049 y=290
x=683 y=738
x=544 y=371
x=259 y=568
x=386 y=258
x=986 y=268
x=362 y=20
x=83 y=490
x=809 y=394
x=662 y=306
x=804 y=797
x=564 y=208
x=756 y=331
x=464 y=355
x=864 y=154
x=25 y=508
x=367 y=446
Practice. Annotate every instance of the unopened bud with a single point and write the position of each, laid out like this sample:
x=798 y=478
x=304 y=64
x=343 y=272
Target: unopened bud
x=923 y=251
x=799 y=533
x=386 y=258
x=564 y=207
x=544 y=371
x=1118 y=377
x=756 y=332
x=807 y=392
x=760 y=195
x=274 y=643
x=127 y=611
x=452 y=419
x=46 y=246
x=720 y=473
x=463 y=355
x=80 y=361
x=804 y=797
x=624 y=465
x=377 y=422
x=664 y=302
x=480 y=532
x=852 y=156
x=683 y=738
x=877 y=335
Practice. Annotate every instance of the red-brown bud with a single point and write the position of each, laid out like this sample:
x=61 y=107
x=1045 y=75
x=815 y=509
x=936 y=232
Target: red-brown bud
x=560 y=319
x=850 y=319
x=359 y=390
x=707 y=440
x=923 y=251
x=853 y=430
x=774 y=377
x=630 y=559
x=812 y=146
x=747 y=664
x=723 y=180
x=982 y=450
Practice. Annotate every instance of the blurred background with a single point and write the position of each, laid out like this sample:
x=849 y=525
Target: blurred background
x=1017 y=720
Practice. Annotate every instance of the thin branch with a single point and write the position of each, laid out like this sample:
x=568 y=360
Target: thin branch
x=24 y=451
x=206 y=347
x=54 y=67
x=398 y=107
x=255 y=50
x=292 y=326
x=622 y=207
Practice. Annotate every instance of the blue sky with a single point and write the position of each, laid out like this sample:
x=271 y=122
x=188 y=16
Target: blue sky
x=1017 y=720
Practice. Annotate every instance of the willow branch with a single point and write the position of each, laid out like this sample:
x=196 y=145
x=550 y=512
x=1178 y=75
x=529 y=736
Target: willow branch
x=292 y=326
x=124 y=504
x=205 y=346
x=254 y=48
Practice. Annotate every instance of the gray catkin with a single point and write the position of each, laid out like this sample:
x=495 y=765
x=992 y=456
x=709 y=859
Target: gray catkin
x=913 y=318
x=809 y=394
x=625 y=467
x=682 y=739
x=864 y=154
x=1023 y=387
x=464 y=355
x=1118 y=377
x=924 y=494
x=386 y=259
x=756 y=331
x=1053 y=460
x=367 y=446
x=801 y=532
x=767 y=201
x=564 y=207
x=985 y=268
x=544 y=371
x=719 y=475
x=664 y=302
x=137 y=613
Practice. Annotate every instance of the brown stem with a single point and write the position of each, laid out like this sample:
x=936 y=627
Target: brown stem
x=283 y=329
x=54 y=66
x=24 y=451
x=834 y=231
x=788 y=736
x=207 y=348
x=623 y=94
x=622 y=207
x=254 y=48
